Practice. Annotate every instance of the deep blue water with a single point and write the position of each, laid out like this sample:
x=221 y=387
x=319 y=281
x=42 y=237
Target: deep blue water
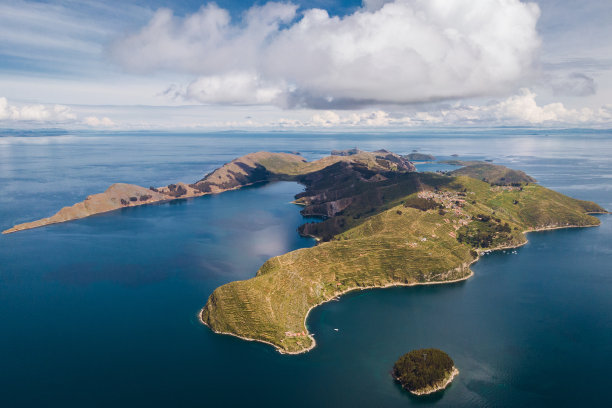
x=102 y=311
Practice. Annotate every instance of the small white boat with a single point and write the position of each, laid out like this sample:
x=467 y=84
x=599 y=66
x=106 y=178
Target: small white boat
x=336 y=329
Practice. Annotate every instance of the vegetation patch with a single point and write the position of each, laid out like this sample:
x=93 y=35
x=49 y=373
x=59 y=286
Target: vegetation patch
x=422 y=204
x=176 y=190
x=485 y=232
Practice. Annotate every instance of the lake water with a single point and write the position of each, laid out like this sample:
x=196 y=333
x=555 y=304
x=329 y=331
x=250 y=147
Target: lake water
x=103 y=311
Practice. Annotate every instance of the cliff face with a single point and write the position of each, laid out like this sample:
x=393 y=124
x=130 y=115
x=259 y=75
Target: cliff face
x=402 y=163
x=332 y=189
x=249 y=169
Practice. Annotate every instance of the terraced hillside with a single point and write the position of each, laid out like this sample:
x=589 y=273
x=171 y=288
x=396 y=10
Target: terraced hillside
x=397 y=229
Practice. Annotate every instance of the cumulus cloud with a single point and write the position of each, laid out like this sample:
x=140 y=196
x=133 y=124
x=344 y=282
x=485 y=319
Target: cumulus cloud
x=94 y=121
x=48 y=115
x=35 y=113
x=231 y=88
x=205 y=42
x=401 y=51
x=376 y=118
x=520 y=109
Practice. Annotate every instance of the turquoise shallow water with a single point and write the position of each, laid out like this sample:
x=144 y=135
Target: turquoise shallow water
x=102 y=311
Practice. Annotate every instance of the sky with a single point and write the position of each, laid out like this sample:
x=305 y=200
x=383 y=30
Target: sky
x=322 y=64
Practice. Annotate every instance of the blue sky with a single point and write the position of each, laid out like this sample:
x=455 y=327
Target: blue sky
x=305 y=65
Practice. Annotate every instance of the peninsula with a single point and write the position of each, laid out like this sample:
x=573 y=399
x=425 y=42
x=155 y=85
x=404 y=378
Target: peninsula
x=246 y=170
x=383 y=224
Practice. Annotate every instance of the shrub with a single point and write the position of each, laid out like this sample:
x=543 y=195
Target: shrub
x=176 y=190
x=479 y=234
x=422 y=204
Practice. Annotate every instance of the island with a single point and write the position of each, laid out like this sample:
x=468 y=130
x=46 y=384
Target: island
x=419 y=157
x=382 y=224
x=424 y=371
x=490 y=173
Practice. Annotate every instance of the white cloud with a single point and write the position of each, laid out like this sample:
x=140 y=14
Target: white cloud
x=94 y=121
x=403 y=51
x=520 y=109
x=36 y=113
x=232 y=88
x=205 y=42
x=376 y=118
x=49 y=115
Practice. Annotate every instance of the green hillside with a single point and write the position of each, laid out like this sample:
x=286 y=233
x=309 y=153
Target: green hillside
x=411 y=228
x=492 y=173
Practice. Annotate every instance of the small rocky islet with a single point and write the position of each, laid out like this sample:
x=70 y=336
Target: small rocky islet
x=424 y=371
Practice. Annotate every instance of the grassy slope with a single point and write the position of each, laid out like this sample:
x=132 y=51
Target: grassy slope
x=385 y=249
x=492 y=173
x=371 y=199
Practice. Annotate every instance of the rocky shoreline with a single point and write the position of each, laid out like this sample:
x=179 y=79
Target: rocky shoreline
x=439 y=386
